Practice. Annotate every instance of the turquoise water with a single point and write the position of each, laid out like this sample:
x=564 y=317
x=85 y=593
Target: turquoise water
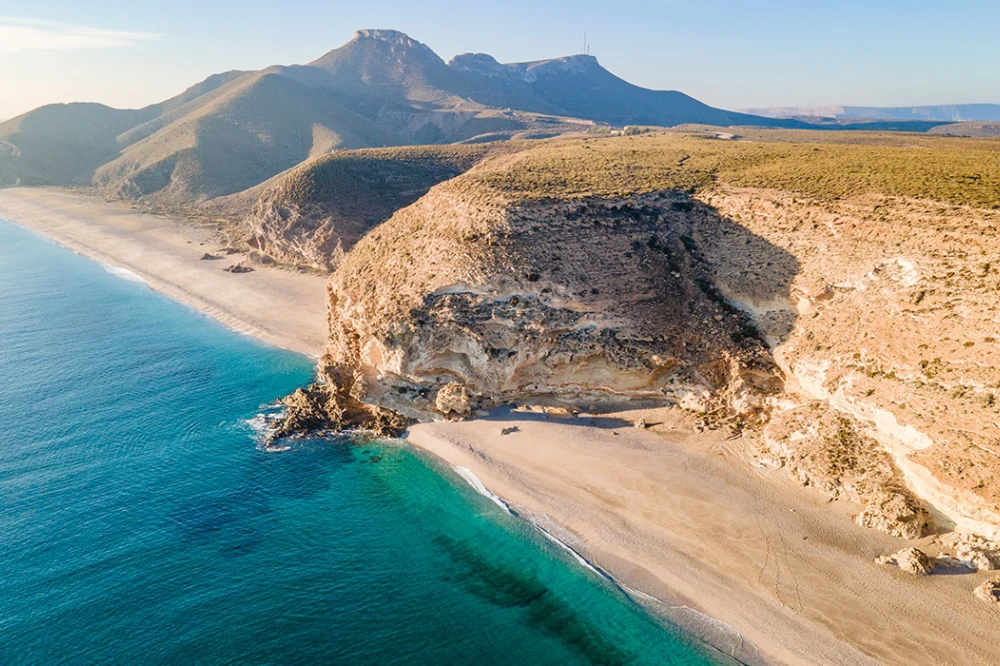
x=141 y=523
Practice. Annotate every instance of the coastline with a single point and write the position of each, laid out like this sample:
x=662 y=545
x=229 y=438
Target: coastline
x=757 y=567
x=754 y=565
x=277 y=306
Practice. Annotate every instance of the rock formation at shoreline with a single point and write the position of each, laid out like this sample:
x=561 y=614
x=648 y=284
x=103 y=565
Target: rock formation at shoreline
x=600 y=300
x=845 y=316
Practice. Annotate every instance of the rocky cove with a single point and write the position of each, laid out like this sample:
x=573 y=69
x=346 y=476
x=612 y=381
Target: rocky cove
x=759 y=311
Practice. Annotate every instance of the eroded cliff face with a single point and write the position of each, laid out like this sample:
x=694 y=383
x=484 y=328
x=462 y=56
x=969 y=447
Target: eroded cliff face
x=312 y=215
x=301 y=234
x=582 y=302
x=891 y=328
x=859 y=335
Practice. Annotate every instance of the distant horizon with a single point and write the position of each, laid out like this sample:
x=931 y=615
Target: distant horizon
x=725 y=54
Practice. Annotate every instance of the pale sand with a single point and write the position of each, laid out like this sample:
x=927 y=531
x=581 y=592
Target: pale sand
x=281 y=307
x=688 y=519
x=681 y=517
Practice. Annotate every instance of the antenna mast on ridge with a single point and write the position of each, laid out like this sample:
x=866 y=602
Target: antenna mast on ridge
x=586 y=45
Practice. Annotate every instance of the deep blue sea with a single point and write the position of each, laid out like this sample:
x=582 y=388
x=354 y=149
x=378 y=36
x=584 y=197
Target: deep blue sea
x=141 y=522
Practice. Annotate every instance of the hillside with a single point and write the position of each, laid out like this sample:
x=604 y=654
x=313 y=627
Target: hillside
x=62 y=144
x=969 y=129
x=314 y=213
x=256 y=126
x=236 y=129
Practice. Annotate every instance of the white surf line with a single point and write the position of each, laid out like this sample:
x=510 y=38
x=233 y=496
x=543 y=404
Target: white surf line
x=647 y=601
x=123 y=273
x=477 y=484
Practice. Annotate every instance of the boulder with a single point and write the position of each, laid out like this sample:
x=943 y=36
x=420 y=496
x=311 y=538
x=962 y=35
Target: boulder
x=973 y=552
x=988 y=592
x=910 y=560
x=453 y=400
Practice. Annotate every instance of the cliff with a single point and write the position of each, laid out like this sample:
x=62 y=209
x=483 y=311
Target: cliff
x=845 y=317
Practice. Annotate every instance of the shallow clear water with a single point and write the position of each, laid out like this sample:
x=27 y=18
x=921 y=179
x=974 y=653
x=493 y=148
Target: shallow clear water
x=141 y=523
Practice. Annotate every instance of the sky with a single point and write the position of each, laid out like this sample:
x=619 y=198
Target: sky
x=728 y=53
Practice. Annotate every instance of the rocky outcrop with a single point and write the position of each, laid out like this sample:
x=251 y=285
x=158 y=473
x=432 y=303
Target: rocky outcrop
x=332 y=404
x=891 y=323
x=910 y=560
x=971 y=552
x=989 y=592
x=828 y=450
x=453 y=400
x=597 y=300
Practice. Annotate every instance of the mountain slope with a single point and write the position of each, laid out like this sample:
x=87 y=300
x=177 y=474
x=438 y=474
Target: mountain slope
x=578 y=86
x=390 y=64
x=62 y=144
x=254 y=127
x=177 y=107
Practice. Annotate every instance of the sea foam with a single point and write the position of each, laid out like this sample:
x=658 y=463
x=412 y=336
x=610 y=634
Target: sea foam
x=124 y=273
x=470 y=477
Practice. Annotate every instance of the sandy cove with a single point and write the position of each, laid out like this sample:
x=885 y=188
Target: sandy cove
x=280 y=307
x=683 y=517
x=688 y=519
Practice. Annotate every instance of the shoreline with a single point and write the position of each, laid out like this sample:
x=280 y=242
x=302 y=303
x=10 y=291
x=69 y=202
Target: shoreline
x=735 y=555
x=694 y=624
x=279 y=307
x=757 y=568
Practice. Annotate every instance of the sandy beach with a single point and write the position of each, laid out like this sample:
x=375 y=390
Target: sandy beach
x=689 y=520
x=762 y=569
x=280 y=307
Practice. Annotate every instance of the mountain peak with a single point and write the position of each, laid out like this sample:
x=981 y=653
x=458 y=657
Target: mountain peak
x=384 y=35
x=375 y=46
x=571 y=63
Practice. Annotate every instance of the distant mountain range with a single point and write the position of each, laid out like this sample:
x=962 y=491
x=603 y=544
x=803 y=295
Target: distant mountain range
x=237 y=129
x=944 y=113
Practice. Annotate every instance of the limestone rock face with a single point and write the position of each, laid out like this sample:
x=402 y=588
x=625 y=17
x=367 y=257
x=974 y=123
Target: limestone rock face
x=829 y=451
x=891 y=321
x=973 y=552
x=575 y=302
x=453 y=400
x=910 y=560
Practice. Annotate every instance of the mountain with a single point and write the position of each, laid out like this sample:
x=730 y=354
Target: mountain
x=258 y=125
x=235 y=130
x=578 y=86
x=62 y=143
x=949 y=113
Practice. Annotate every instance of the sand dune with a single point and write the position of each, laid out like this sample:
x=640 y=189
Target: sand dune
x=281 y=307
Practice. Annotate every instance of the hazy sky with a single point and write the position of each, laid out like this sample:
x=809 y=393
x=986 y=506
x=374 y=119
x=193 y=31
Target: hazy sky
x=729 y=53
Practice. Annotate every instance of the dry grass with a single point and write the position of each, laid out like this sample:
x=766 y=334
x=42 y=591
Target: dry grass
x=823 y=165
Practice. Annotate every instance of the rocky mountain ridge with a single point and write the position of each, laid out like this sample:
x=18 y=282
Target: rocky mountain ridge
x=236 y=129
